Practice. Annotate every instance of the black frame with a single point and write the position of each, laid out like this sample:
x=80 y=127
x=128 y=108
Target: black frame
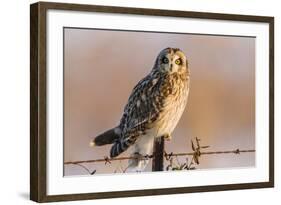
x=38 y=101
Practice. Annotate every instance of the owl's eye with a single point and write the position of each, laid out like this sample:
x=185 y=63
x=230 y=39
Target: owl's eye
x=165 y=60
x=178 y=61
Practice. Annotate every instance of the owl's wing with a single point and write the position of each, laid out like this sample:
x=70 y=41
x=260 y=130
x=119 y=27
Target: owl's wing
x=143 y=107
x=142 y=110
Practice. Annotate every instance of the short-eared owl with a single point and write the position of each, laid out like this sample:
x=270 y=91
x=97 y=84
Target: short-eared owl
x=153 y=109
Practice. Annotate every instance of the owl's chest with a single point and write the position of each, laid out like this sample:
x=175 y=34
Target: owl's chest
x=172 y=111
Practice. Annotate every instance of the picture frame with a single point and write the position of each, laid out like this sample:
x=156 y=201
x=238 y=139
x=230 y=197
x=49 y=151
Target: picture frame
x=41 y=79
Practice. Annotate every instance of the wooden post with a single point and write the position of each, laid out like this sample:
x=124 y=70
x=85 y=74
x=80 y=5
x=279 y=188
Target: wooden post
x=158 y=154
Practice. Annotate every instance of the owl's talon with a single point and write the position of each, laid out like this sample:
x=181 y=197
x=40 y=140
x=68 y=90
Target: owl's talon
x=146 y=157
x=167 y=137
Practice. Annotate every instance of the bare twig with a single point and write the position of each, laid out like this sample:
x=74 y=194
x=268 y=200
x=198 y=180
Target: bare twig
x=86 y=168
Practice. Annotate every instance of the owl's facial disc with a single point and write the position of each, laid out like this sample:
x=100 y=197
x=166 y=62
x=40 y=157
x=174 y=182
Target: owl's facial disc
x=172 y=60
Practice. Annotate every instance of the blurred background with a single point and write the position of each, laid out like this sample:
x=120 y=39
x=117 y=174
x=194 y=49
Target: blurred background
x=101 y=68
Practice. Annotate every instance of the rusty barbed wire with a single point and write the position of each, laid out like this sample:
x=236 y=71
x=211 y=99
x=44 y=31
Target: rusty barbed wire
x=188 y=165
x=109 y=160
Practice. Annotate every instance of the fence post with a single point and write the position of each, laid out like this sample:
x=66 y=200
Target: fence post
x=158 y=154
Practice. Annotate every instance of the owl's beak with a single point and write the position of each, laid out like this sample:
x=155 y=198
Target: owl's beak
x=171 y=67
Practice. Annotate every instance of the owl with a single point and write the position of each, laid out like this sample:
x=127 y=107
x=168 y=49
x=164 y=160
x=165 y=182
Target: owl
x=154 y=108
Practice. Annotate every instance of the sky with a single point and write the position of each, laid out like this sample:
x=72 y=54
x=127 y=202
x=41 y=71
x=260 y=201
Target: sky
x=101 y=67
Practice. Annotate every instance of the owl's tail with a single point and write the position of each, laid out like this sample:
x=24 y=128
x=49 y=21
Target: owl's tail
x=119 y=147
x=108 y=137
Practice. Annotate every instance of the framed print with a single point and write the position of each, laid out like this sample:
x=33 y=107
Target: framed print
x=134 y=102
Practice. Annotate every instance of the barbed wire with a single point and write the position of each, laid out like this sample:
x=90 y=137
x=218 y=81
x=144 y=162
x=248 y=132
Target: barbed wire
x=188 y=165
x=109 y=160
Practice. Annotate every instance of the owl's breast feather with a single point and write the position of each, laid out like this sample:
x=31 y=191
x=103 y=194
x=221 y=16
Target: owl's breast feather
x=173 y=108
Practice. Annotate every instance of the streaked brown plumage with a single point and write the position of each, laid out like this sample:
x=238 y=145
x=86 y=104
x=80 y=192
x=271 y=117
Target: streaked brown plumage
x=153 y=109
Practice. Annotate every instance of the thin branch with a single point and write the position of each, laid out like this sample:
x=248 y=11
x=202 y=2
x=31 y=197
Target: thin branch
x=85 y=168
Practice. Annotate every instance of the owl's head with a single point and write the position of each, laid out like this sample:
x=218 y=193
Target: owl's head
x=171 y=60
